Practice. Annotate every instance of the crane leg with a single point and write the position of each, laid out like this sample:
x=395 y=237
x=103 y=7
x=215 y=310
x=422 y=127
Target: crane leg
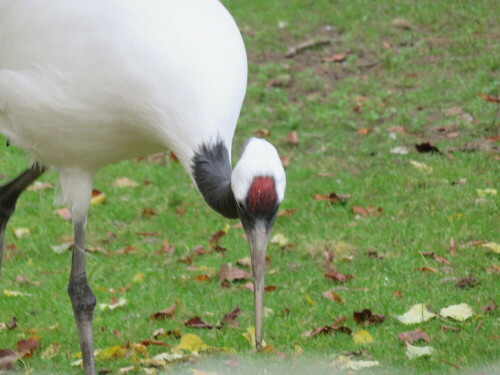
x=82 y=298
x=8 y=198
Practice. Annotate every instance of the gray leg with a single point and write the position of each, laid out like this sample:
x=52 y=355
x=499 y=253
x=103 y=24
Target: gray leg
x=8 y=198
x=82 y=298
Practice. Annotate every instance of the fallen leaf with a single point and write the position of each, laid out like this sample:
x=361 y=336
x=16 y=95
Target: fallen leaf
x=59 y=249
x=138 y=278
x=230 y=273
x=453 y=111
x=418 y=351
x=487 y=309
x=148 y=212
x=332 y=197
x=399 y=150
x=166 y=249
x=115 y=304
x=367 y=317
x=279 y=239
x=332 y=296
x=15 y=293
x=230 y=317
x=126 y=250
x=417 y=314
x=484 y=193
x=201 y=278
x=493 y=246
x=367 y=211
x=292 y=51
x=466 y=282
x=421 y=166
x=453 y=247
x=292 y=138
x=26 y=348
x=166 y=313
x=426 y=147
x=8 y=358
x=337 y=276
x=338 y=57
x=362 y=337
x=449 y=328
x=425 y=269
x=197 y=322
x=98 y=197
x=21 y=232
x=191 y=343
x=488 y=98
x=9 y=325
x=401 y=23
x=249 y=335
x=458 y=312
x=346 y=363
x=412 y=336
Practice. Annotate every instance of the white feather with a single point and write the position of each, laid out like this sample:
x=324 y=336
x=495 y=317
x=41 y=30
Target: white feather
x=259 y=159
x=85 y=83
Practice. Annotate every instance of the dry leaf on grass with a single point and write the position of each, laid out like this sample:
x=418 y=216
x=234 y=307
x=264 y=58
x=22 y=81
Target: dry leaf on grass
x=458 y=312
x=412 y=336
x=417 y=314
x=418 y=351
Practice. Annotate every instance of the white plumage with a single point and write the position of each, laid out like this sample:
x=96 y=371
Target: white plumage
x=86 y=83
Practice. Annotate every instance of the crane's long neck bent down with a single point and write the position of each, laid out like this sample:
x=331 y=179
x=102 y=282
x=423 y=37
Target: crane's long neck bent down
x=212 y=172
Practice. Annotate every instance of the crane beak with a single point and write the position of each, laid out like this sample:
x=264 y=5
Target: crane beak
x=257 y=230
x=258 y=236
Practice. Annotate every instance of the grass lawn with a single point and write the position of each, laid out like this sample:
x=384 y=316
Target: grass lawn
x=393 y=74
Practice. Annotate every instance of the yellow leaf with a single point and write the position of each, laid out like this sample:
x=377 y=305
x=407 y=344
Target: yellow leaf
x=421 y=166
x=191 y=343
x=458 y=312
x=249 y=335
x=143 y=349
x=492 y=246
x=21 y=232
x=309 y=299
x=98 y=197
x=113 y=351
x=13 y=293
x=362 y=337
x=139 y=278
x=483 y=193
x=417 y=314
x=298 y=349
x=51 y=351
x=112 y=306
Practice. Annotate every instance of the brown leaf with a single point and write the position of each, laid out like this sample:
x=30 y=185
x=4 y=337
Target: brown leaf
x=332 y=296
x=453 y=247
x=367 y=317
x=167 y=313
x=292 y=138
x=26 y=348
x=154 y=342
x=398 y=129
x=196 y=322
x=148 y=212
x=215 y=239
x=24 y=280
x=200 y=278
x=364 y=131
x=367 y=211
x=487 y=309
x=269 y=288
x=166 y=249
x=332 y=197
x=262 y=133
x=287 y=212
x=426 y=147
x=337 y=276
x=401 y=23
x=230 y=273
x=425 y=269
x=338 y=57
x=412 y=336
x=488 y=98
x=397 y=293
x=437 y=258
x=12 y=324
x=466 y=282
x=285 y=160
x=126 y=250
x=7 y=358
x=230 y=317
x=64 y=213
x=492 y=269
x=449 y=328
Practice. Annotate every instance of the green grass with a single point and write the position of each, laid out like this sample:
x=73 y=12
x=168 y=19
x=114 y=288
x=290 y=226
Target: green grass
x=450 y=54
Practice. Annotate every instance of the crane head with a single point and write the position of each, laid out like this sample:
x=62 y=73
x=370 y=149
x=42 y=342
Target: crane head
x=258 y=184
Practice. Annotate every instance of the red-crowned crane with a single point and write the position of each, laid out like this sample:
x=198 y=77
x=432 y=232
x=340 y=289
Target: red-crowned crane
x=86 y=83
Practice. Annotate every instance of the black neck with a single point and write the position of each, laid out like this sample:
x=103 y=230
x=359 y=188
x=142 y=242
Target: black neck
x=212 y=173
